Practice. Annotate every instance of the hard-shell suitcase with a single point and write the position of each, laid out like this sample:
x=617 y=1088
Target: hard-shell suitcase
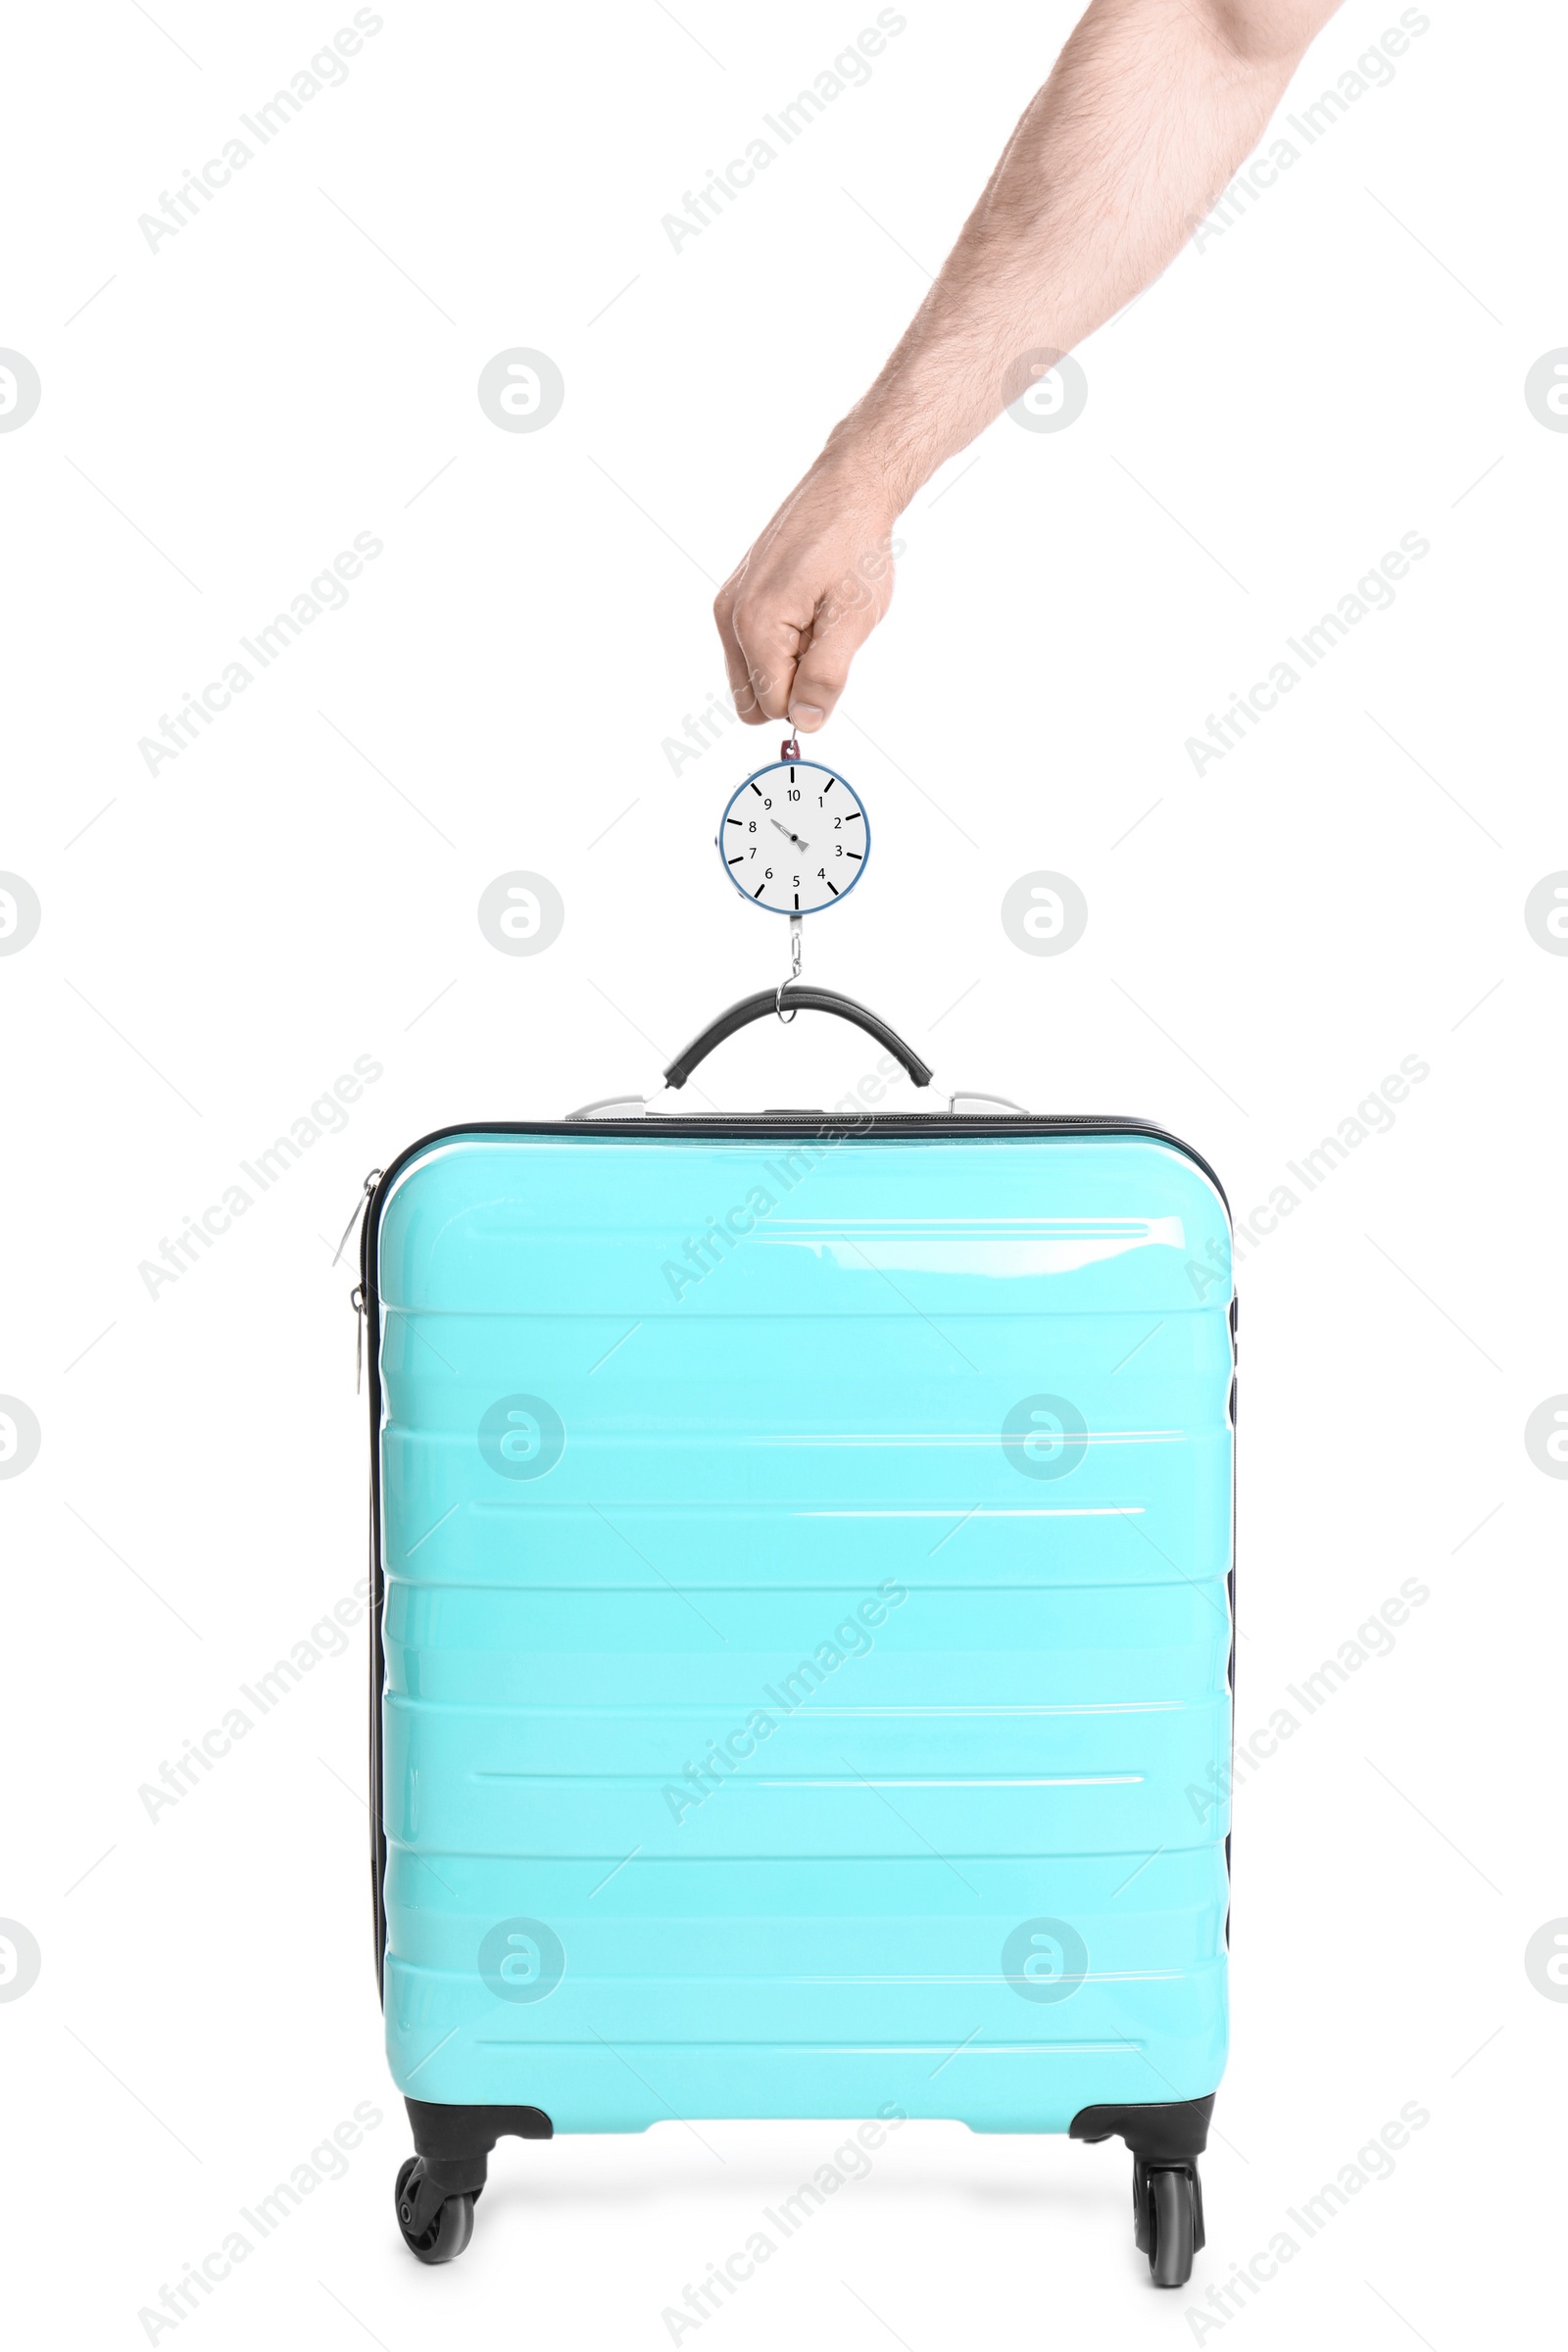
x=803 y=1627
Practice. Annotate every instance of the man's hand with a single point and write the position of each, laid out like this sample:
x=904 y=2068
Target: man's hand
x=1146 y=116
x=796 y=609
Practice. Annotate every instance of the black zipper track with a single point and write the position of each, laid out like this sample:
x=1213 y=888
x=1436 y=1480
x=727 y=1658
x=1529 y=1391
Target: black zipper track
x=688 y=1125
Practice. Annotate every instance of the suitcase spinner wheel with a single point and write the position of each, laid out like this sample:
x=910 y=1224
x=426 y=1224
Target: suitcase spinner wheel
x=1167 y=2219
x=435 y=2226
x=1103 y=1227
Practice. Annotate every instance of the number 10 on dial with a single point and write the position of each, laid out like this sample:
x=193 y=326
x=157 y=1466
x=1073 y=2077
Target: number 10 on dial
x=795 y=838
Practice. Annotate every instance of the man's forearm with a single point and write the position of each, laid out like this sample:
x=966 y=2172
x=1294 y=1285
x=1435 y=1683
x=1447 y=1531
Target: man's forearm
x=1151 y=108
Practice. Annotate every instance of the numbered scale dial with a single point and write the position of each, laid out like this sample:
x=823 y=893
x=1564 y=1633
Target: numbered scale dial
x=795 y=838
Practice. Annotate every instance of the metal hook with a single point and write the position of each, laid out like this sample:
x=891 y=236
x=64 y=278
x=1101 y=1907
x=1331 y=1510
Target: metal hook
x=794 y=973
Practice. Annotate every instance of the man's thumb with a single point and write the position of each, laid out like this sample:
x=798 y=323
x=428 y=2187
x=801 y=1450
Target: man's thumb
x=824 y=669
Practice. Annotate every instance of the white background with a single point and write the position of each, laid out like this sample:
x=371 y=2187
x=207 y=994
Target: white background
x=299 y=364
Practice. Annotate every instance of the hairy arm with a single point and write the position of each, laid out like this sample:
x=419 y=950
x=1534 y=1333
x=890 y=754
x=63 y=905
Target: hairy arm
x=1152 y=106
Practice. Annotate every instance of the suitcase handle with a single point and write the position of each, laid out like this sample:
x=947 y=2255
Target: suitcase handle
x=805 y=999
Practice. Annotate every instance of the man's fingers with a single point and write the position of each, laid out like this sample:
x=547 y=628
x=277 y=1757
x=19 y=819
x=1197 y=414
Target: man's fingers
x=740 y=684
x=768 y=642
x=822 y=669
x=794 y=613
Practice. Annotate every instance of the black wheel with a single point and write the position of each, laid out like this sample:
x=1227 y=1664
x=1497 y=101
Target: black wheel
x=1172 y=2225
x=1143 y=2211
x=444 y=2236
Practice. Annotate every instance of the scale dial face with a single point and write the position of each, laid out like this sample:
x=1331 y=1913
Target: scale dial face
x=795 y=838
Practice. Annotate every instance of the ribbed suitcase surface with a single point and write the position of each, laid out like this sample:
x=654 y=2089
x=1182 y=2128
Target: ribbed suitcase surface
x=806 y=1624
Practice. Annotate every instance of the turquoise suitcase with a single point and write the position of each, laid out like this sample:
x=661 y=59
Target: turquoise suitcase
x=803 y=1627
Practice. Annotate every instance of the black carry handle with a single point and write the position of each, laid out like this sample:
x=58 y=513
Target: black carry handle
x=804 y=999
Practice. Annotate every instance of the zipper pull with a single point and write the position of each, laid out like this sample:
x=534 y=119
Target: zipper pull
x=360 y=1206
x=357 y=1302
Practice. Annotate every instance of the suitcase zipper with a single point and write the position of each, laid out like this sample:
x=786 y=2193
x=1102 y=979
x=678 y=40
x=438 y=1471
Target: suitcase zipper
x=357 y=1295
x=736 y=1126
x=360 y=1208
